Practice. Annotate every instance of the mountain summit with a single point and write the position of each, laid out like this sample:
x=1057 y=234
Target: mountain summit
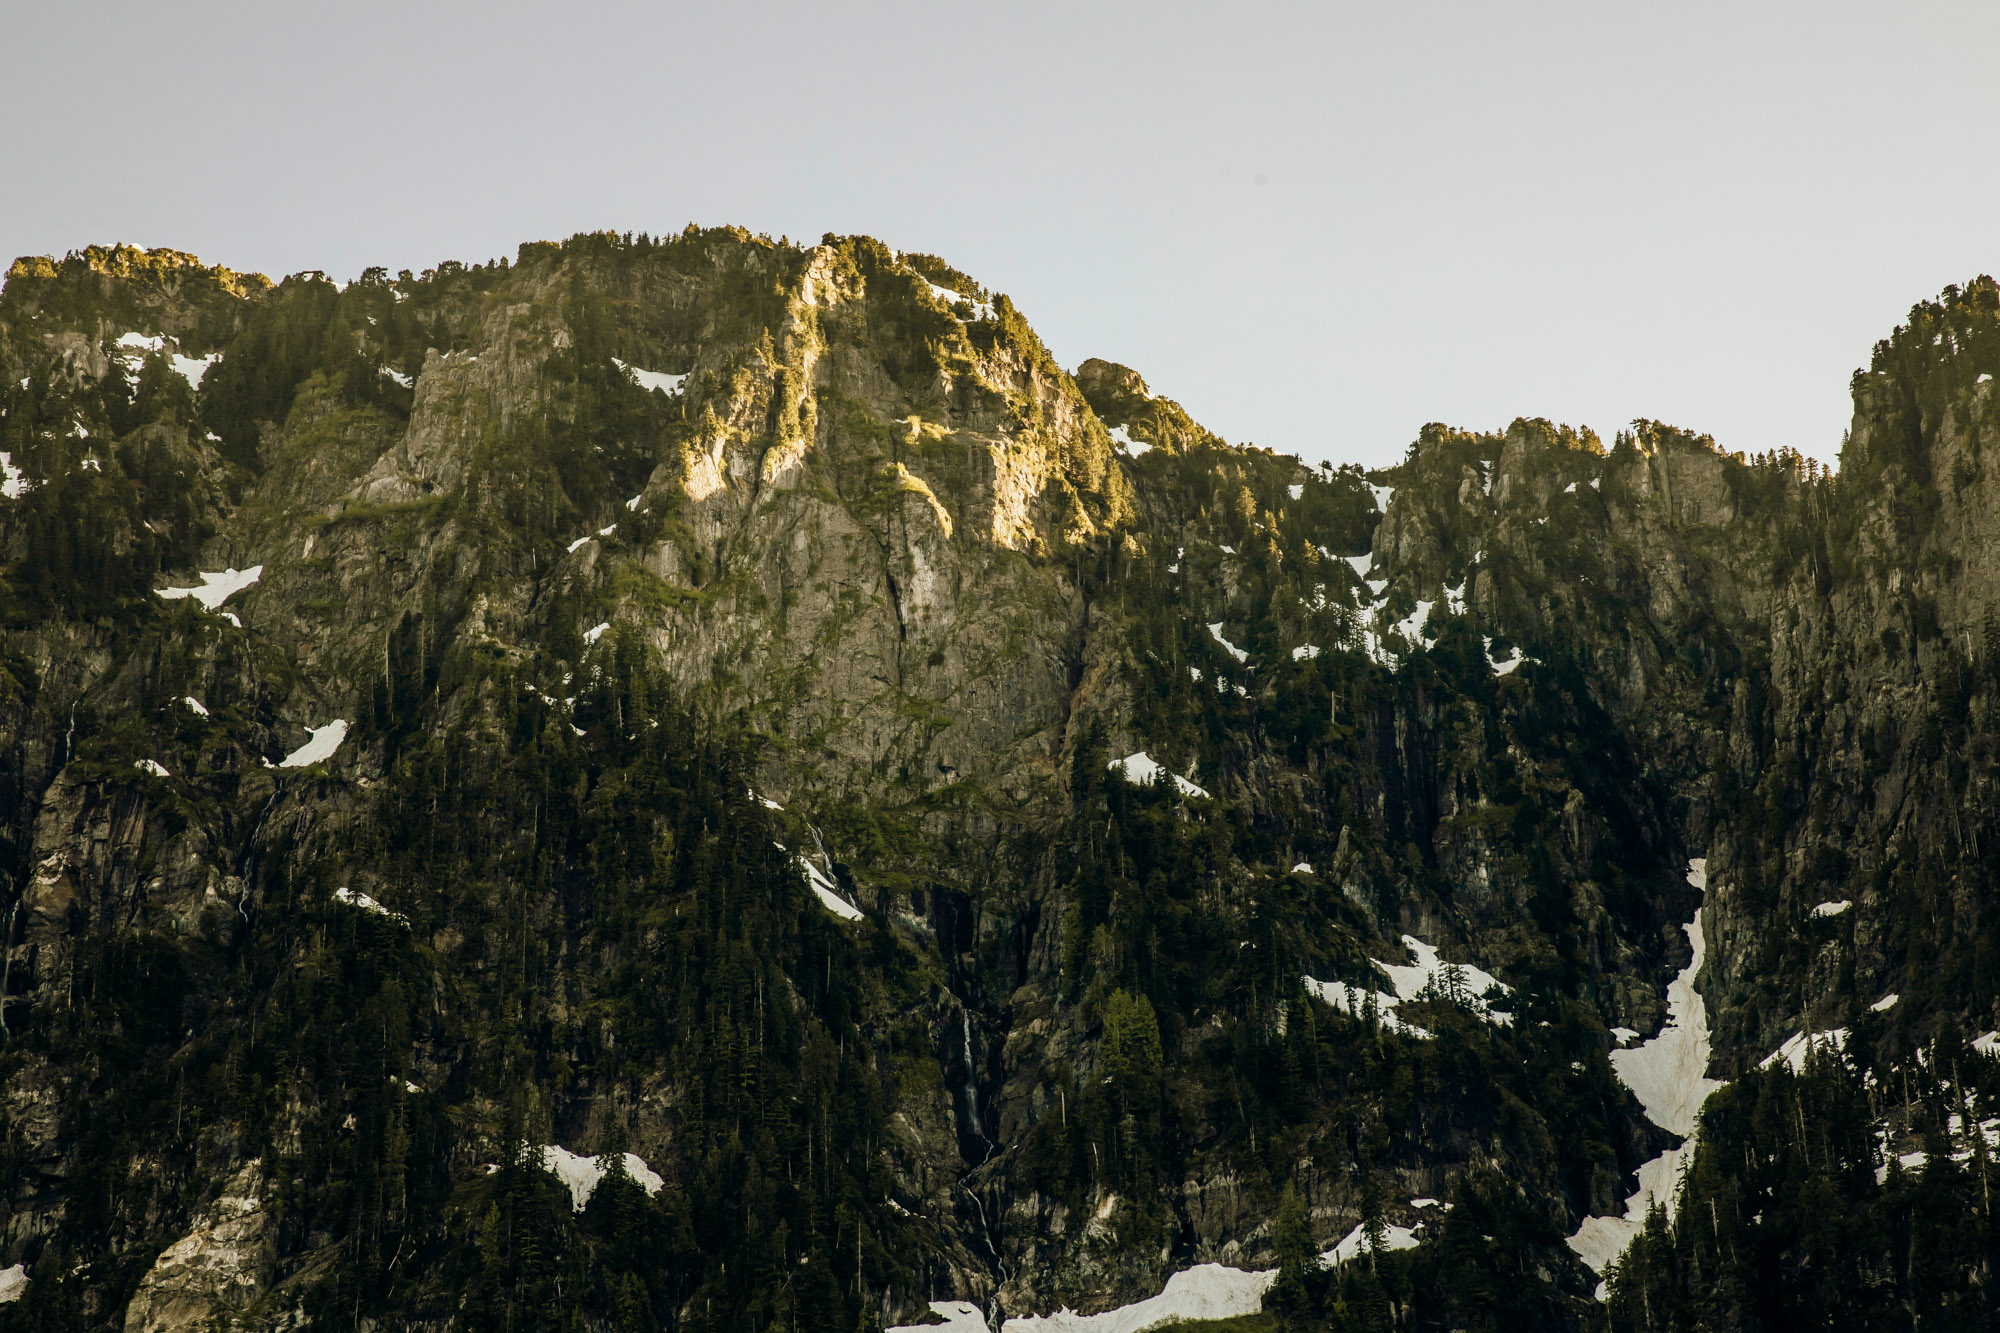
x=701 y=783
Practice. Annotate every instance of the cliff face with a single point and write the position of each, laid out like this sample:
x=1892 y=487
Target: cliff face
x=716 y=656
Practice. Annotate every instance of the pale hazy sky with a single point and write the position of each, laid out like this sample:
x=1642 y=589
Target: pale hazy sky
x=1318 y=226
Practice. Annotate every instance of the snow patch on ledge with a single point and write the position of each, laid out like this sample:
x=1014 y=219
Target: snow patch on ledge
x=216 y=588
x=582 y=1175
x=357 y=899
x=651 y=379
x=13 y=1283
x=152 y=766
x=1800 y=1044
x=1123 y=439
x=1203 y=1292
x=1215 y=632
x=1428 y=976
x=829 y=896
x=325 y=740
x=959 y=1316
x=1832 y=909
x=1206 y=1291
x=1141 y=768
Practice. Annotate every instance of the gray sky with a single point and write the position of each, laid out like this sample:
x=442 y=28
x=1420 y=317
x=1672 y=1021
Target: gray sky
x=1318 y=226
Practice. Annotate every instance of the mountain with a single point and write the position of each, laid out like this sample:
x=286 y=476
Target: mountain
x=706 y=783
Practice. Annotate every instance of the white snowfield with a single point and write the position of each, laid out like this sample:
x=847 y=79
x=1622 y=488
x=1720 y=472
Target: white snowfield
x=1141 y=768
x=1215 y=632
x=583 y=1174
x=325 y=740
x=1123 y=439
x=13 y=482
x=357 y=899
x=1833 y=1042
x=13 y=1283
x=1410 y=981
x=152 y=766
x=828 y=895
x=1832 y=909
x=1361 y=564
x=1356 y=1242
x=1206 y=1291
x=950 y=299
x=1669 y=1076
x=959 y=1317
x=1503 y=666
x=1886 y=1003
x=651 y=379
x=216 y=589
x=192 y=368
x=189 y=368
x=194 y=706
x=1381 y=494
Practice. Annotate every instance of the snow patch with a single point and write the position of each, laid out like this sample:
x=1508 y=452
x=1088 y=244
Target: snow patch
x=651 y=379
x=13 y=482
x=951 y=299
x=828 y=896
x=583 y=1174
x=1411 y=627
x=1832 y=909
x=959 y=1316
x=398 y=376
x=1988 y=1044
x=596 y=632
x=194 y=706
x=356 y=899
x=152 y=766
x=1140 y=769
x=579 y=542
x=1503 y=666
x=1305 y=652
x=1799 y=1044
x=1124 y=440
x=1206 y=1291
x=325 y=740
x=1361 y=564
x=216 y=588
x=192 y=368
x=1381 y=494
x=13 y=1283
x=1302 y=868
x=1295 y=490
x=1215 y=632
x=1355 y=1243
x=1885 y=1004
x=1426 y=978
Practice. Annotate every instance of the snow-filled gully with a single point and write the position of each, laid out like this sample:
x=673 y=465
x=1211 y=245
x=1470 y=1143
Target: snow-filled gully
x=1669 y=1076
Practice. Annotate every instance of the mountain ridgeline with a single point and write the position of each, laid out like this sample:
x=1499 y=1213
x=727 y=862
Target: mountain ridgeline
x=702 y=783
